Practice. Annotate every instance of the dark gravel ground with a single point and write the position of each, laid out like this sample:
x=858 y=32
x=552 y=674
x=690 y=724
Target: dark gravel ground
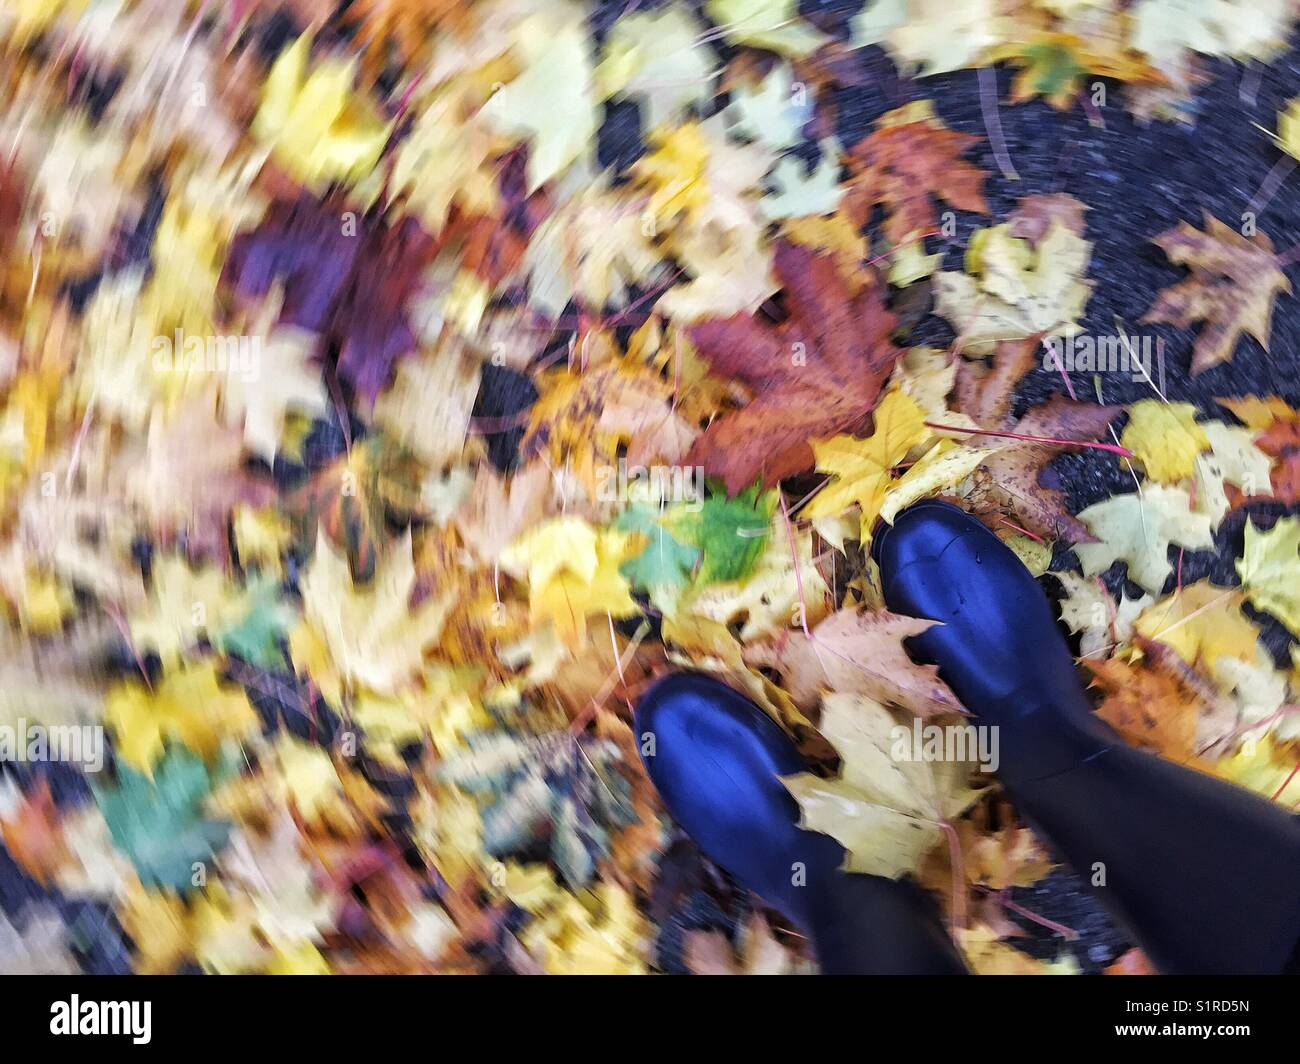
x=1139 y=180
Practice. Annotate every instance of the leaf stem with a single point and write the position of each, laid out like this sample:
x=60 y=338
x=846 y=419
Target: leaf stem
x=1109 y=447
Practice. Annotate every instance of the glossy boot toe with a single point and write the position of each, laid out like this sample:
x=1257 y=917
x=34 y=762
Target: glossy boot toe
x=1205 y=875
x=997 y=645
x=716 y=759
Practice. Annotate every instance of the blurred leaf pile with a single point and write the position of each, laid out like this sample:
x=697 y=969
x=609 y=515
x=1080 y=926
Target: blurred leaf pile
x=369 y=439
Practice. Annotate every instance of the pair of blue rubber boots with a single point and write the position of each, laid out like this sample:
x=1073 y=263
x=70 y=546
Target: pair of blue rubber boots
x=1203 y=874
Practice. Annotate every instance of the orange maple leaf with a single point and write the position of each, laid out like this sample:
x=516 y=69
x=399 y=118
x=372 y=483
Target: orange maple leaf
x=911 y=160
x=1149 y=707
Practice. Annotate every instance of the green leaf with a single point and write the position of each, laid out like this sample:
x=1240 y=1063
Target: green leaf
x=157 y=822
x=259 y=637
x=1053 y=69
x=665 y=566
x=731 y=533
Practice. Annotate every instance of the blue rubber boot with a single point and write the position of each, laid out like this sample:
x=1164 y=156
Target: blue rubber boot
x=1205 y=875
x=716 y=759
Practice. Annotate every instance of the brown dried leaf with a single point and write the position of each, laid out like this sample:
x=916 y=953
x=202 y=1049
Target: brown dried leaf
x=858 y=653
x=911 y=160
x=1233 y=282
x=816 y=374
x=1011 y=478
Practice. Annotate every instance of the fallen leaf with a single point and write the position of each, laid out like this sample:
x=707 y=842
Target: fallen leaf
x=886 y=812
x=1231 y=288
x=1166 y=438
x=858 y=653
x=1139 y=528
x=909 y=162
x=366 y=636
x=1270 y=570
x=1016 y=287
x=816 y=374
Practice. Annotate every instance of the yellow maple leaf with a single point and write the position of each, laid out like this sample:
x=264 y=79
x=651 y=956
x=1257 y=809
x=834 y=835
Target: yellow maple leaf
x=226 y=939
x=1201 y=622
x=1233 y=458
x=676 y=171
x=366 y=637
x=445 y=160
x=553 y=100
x=929 y=36
x=1261 y=766
x=185 y=604
x=1243 y=29
x=886 y=813
x=597 y=933
x=310 y=782
x=1270 y=570
x=318 y=128
x=771 y=24
x=259 y=391
x=1166 y=439
x=595 y=247
x=444 y=708
x=261 y=537
x=40 y=601
x=298 y=958
x=159 y=926
x=1014 y=289
x=1139 y=528
x=572 y=571
x=863 y=469
x=944 y=466
x=189 y=706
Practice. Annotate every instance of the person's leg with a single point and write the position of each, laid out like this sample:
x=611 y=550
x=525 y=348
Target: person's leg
x=716 y=759
x=1205 y=875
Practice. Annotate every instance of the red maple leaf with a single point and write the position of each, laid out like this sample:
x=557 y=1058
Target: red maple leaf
x=815 y=374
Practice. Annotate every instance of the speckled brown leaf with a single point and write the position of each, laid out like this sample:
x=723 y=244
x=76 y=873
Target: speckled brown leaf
x=1010 y=481
x=985 y=392
x=1015 y=472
